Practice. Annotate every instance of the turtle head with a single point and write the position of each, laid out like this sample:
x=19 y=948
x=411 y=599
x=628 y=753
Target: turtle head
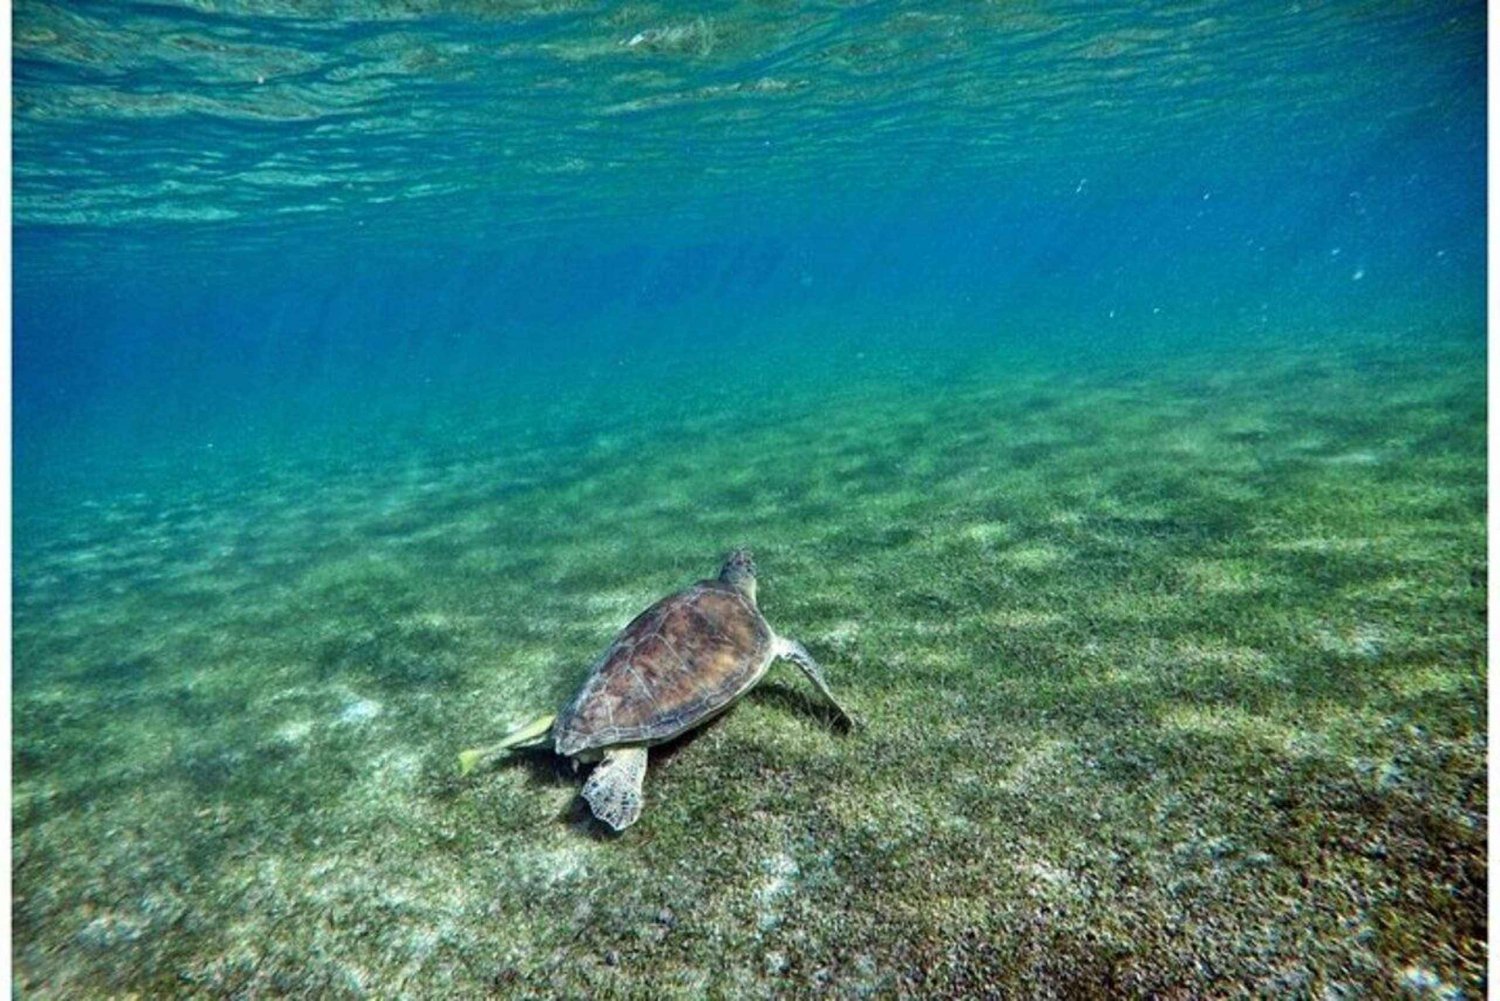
x=739 y=571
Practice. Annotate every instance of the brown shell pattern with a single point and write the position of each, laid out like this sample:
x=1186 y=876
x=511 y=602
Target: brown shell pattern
x=677 y=663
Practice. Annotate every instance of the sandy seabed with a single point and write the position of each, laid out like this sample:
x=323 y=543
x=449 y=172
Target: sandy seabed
x=1172 y=669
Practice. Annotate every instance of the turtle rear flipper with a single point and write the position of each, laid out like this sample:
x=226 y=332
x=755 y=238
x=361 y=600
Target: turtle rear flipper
x=614 y=788
x=534 y=732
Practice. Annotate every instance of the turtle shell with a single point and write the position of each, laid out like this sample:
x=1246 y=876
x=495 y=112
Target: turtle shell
x=675 y=665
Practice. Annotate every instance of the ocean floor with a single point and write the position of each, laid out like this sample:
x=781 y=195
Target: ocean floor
x=1172 y=673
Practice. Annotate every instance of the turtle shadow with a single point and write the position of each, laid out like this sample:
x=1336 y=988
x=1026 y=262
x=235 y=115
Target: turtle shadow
x=544 y=768
x=663 y=754
x=799 y=703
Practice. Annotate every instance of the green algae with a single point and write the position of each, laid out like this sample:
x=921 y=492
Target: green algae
x=1173 y=678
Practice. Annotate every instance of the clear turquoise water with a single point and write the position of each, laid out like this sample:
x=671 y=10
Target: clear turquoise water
x=223 y=209
x=1100 y=383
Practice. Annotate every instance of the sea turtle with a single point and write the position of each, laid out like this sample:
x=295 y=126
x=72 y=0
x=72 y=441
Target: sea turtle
x=678 y=664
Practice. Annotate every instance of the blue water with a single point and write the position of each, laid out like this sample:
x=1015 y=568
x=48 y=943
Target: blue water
x=1099 y=384
x=229 y=213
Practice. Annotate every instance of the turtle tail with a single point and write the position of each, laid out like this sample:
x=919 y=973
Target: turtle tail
x=531 y=734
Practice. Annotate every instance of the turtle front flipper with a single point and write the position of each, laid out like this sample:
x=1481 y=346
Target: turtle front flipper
x=534 y=732
x=797 y=654
x=614 y=788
